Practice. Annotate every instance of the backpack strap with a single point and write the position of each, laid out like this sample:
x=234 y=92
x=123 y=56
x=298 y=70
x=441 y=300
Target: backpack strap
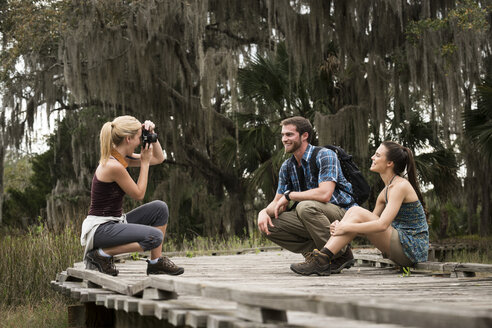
x=313 y=165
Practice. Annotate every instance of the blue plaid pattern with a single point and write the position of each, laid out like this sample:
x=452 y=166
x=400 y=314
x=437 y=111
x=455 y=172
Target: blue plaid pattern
x=329 y=170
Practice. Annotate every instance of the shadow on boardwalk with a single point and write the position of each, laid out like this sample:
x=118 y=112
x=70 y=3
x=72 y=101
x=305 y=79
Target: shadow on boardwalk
x=259 y=290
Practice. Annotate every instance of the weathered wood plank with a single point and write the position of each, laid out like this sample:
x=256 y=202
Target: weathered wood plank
x=119 y=285
x=261 y=314
x=146 y=307
x=176 y=317
x=158 y=294
x=199 y=318
x=220 y=321
x=431 y=266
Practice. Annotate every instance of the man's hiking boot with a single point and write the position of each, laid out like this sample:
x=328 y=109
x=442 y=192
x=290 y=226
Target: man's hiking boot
x=307 y=256
x=316 y=263
x=102 y=263
x=164 y=266
x=344 y=261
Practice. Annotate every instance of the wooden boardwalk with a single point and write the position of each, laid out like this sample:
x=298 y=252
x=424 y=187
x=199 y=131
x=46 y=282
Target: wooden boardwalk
x=259 y=290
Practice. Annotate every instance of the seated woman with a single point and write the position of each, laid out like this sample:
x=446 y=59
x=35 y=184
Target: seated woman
x=397 y=226
x=107 y=231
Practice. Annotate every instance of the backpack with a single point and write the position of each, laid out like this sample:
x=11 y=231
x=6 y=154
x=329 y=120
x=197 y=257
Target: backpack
x=351 y=172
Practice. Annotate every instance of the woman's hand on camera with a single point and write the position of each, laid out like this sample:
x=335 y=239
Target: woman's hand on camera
x=146 y=154
x=148 y=125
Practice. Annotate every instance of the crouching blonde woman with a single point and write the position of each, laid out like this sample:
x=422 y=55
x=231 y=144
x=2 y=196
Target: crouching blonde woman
x=397 y=226
x=107 y=231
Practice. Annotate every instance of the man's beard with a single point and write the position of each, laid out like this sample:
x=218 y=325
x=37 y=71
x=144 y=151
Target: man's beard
x=295 y=146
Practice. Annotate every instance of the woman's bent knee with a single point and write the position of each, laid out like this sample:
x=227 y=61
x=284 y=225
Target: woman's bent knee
x=153 y=239
x=355 y=210
x=162 y=212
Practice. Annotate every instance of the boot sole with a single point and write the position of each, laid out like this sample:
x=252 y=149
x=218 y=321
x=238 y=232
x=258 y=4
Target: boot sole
x=177 y=273
x=98 y=266
x=319 y=273
x=346 y=265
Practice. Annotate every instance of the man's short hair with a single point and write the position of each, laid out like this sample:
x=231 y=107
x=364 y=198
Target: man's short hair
x=302 y=125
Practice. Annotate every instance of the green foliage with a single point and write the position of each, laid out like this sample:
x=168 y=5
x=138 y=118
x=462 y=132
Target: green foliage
x=30 y=27
x=17 y=172
x=478 y=122
x=278 y=89
x=468 y=15
x=26 y=201
x=436 y=162
x=448 y=219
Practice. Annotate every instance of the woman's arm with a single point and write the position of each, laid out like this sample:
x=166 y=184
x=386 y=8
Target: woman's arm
x=114 y=171
x=376 y=224
x=157 y=153
x=380 y=203
x=157 y=156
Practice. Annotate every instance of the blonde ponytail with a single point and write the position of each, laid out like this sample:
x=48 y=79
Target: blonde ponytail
x=106 y=142
x=113 y=133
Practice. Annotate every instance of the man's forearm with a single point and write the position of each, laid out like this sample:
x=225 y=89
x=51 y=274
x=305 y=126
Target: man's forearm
x=269 y=211
x=312 y=194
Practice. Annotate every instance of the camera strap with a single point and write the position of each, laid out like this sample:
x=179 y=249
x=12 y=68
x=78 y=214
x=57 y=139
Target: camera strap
x=118 y=157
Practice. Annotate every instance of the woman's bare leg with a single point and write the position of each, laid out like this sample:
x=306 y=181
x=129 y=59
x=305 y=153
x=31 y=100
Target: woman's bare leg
x=157 y=252
x=126 y=248
x=359 y=215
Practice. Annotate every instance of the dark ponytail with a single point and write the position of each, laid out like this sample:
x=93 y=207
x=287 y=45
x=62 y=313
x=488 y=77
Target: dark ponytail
x=402 y=157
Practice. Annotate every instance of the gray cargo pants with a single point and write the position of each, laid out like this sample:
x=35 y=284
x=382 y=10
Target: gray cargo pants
x=306 y=227
x=140 y=227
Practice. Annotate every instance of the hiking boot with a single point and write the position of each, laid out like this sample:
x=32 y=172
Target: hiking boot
x=317 y=263
x=102 y=263
x=164 y=266
x=344 y=261
x=307 y=256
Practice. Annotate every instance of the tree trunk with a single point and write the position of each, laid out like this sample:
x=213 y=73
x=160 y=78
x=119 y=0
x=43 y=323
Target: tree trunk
x=485 y=215
x=443 y=226
x=2 y=158
x=471 y=196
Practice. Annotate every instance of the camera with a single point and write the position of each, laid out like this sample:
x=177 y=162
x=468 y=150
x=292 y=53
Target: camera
x=148 y=137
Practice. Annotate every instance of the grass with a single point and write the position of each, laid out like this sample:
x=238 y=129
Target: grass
x=480 y=249
x=207 y=245
x=480 y=256
x=30 y=260
x=51 y=312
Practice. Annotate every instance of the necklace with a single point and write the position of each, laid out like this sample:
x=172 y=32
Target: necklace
x=394 y=176
x=119 y=157
x=387 y=187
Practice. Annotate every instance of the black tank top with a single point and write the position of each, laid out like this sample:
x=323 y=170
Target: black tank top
x=106 y=198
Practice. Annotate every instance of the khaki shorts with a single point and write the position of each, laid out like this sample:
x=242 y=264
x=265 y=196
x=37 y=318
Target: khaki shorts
x=396 y=251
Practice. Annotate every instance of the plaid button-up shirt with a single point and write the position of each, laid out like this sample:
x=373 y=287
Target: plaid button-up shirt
x=329 y=170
